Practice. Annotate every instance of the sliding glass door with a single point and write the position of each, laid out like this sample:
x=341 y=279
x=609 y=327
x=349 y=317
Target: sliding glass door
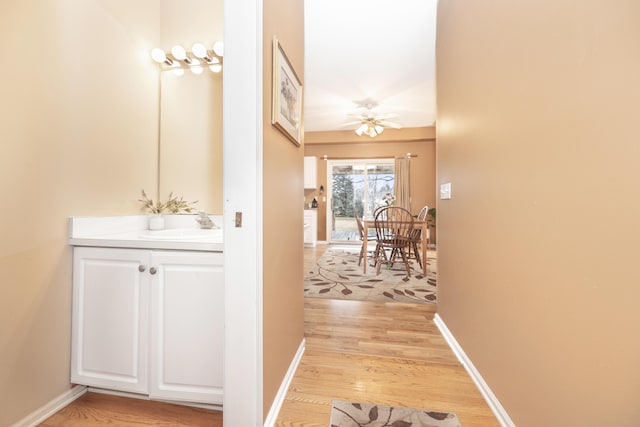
x=355 y=187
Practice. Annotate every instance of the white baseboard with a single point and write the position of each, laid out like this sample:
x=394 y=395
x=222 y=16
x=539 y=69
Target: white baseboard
x=44 y=412
x=282 y=391
x=492 y=400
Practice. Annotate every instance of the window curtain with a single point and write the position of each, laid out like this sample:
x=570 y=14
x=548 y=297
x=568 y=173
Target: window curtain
x=402 y=187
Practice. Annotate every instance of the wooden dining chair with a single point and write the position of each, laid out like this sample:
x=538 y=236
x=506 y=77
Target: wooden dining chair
x=416 y=235
x=394 y=227
x=376 y=210
x=370 y=238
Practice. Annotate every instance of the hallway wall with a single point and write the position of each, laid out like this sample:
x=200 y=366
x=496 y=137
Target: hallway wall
x=283 y=303
x=537 y=263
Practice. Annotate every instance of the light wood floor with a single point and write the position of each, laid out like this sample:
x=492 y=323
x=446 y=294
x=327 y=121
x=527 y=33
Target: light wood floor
x=96 y=409
x=376 y=352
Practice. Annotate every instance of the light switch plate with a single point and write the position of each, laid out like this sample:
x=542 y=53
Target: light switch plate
x=445 y=191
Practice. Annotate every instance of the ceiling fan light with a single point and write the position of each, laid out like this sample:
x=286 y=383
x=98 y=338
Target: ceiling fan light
x=379 y=129
x=363 y=128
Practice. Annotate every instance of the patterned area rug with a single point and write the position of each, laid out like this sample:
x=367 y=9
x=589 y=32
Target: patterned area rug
x=337 y=275
x=351 y=414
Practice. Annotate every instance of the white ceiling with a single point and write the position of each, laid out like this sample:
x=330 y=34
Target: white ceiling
x=378 y=49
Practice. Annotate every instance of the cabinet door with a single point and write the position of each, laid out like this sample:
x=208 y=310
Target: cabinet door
x=310 y=172
x=187 y=326
x=311 y=232
x=110 y=318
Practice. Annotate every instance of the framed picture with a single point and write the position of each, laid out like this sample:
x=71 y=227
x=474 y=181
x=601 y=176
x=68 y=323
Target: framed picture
x=286 y=113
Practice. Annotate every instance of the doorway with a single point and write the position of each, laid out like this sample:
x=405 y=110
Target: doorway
x=355 y=187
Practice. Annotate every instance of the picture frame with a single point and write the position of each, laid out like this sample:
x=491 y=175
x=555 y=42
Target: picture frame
x=286 y=112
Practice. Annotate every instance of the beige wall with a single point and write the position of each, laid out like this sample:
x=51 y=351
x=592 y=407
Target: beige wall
x=537 y=263
x=392 y=143
x=282 y=221
x=79 y=134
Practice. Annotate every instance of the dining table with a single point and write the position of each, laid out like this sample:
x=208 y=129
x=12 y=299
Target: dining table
x=368 y=223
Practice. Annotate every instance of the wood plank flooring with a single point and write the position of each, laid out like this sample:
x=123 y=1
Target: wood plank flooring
x=376 y=352
x=97 y=409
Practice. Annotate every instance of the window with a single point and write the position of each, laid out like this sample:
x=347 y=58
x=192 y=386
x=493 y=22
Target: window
x=356 y=187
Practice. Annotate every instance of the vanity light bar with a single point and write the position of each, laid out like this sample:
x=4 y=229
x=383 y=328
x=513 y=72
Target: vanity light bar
x=179 y=59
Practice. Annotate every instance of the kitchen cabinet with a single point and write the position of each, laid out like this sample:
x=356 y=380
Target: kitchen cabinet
x=149 y=322
x=311 y=227
x=310 y=172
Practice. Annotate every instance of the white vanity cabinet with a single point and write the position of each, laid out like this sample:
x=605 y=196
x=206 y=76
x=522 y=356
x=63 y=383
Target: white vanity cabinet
x=149 y=322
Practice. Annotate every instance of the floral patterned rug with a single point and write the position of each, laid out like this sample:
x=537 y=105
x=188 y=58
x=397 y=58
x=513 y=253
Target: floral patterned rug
x=351 y=414
x=337 y=275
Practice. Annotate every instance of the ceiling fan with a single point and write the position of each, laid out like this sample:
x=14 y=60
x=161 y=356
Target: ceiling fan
x=370 y=123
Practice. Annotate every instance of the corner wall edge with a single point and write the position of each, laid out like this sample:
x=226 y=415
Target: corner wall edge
x=493 y=402
x=284 y=386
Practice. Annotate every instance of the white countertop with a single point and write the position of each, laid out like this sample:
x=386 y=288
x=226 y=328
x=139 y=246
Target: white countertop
x=132 y=232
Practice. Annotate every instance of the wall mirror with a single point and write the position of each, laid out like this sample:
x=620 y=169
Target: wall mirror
x=190 y=143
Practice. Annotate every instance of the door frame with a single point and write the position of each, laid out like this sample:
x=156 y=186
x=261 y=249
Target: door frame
x=242 y=191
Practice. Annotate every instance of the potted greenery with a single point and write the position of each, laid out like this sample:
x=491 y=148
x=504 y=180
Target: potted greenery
x=431 y=223
x=157 y=208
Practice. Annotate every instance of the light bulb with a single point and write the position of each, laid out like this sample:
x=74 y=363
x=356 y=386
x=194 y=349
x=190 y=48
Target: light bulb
x=197 y=69
x=178 y=71
x=363 y=127
x=199 y=50
x=218 y=48
x=216 y=68
x=178 y=52
x=158 y=55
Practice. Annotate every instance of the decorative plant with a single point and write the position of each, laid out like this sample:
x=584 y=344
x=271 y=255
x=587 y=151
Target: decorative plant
x=172 y=205
x=431 y=217
x=389 y=199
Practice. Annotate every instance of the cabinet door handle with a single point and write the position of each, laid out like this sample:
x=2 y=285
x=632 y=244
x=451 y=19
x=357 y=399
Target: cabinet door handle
x=141 y=268
x=153 y=270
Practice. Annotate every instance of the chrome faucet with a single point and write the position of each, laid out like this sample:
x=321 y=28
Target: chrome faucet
x=204 y=220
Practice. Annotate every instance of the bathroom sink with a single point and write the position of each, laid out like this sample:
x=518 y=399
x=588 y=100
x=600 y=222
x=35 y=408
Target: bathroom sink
x=183 y=234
